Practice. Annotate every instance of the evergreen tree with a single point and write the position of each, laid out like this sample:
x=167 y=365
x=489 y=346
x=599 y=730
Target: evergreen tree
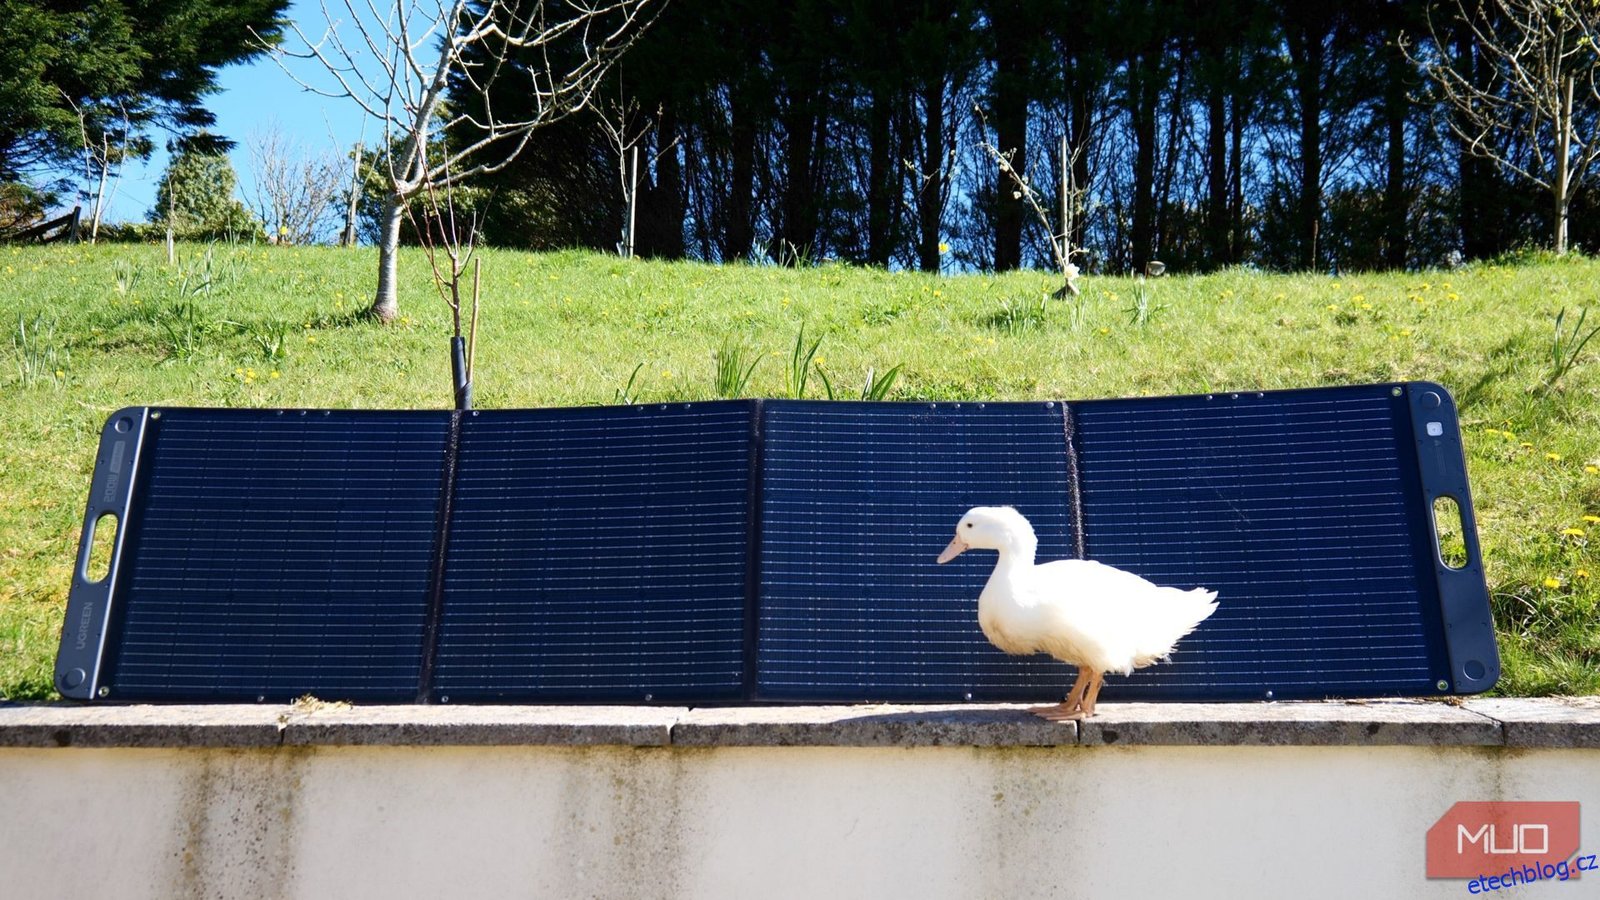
x=197 y=192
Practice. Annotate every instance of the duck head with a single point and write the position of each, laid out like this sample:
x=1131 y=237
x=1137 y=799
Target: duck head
x=991 y=528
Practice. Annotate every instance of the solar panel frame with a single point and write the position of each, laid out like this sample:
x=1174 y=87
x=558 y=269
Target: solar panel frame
x=800 y=471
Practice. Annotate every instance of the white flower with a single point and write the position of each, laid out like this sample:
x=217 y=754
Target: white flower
x=1072 y=271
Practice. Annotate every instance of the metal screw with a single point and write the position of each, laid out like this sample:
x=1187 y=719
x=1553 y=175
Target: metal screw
x=444 y=698
x=649 y=697
x=261 y=698
x=1443 y=685
x=1394 y=391
x=155 y=414
x=1269 y=695
x=967 y=695
x=104 y=692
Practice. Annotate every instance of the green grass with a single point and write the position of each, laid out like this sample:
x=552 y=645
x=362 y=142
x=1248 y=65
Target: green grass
x=92 y=329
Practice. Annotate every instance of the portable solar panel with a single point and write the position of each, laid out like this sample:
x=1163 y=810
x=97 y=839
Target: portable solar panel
x=776 y=551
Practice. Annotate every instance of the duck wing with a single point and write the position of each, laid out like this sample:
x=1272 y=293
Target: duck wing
x=1124 y=619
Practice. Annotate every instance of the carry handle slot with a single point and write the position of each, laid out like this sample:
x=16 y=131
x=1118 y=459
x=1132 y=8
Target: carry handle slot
x=1449 y=532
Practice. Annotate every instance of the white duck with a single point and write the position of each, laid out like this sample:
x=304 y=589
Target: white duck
x=1084 y=613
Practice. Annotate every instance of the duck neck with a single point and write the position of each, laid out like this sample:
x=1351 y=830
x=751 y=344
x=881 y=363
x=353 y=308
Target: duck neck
x=1017 y=554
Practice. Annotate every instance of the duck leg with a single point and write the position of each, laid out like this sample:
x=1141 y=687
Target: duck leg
x=1093 y=692
x=1068 y=708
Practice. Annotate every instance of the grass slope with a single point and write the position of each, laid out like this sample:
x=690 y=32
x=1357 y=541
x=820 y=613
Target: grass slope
x=92 y=329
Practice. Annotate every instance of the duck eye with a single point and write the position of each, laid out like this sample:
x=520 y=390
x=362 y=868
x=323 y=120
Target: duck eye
x=969 y=524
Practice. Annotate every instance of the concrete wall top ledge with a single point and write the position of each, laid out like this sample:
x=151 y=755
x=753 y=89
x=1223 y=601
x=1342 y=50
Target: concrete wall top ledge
x=1493 y=722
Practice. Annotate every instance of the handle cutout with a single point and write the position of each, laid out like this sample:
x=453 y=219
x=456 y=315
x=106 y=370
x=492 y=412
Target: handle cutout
x=102 y=539
x=1449 y=531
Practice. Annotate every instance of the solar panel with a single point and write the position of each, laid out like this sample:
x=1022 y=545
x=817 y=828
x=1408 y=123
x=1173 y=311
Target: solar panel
x=267 y=554
x=857 y=500
x=765 y=550
x=597 y=554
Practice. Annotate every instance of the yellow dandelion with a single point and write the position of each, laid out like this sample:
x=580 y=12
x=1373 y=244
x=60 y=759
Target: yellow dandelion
x=943 y=247
x=60 y=374
x=311 y=339
x=1592 y=470
x=1581 y=573
x=1526 y=446
x=238 y=372
x=1336 y=284
x=1280 y=296
x=1593 y=520
x=1491 y=431
x=1405 y=332
x=1452 y=296
x=1553 y=457
x=1333 y=307
x=938 y=293
x=1105 y=331
x=666 y=373
x=821 y=360
x=1574 y=532
x=1552 y=582
x=1358 y=298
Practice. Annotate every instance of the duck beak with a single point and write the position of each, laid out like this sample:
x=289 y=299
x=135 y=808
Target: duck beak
x=956 y=548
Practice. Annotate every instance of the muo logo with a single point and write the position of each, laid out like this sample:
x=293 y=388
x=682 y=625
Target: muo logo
x=1476 y=838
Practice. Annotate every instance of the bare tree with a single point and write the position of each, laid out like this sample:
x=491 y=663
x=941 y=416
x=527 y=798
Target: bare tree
x=295 y=189
x=1022 y=189
x=1542 y=66
x=105 y=148
x=557 y=52
x=625 y=130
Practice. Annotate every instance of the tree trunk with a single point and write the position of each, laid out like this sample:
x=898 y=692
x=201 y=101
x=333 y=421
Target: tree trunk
x=1080 y=104
x=880 y=177
x=798 y=235
x=666 y=203
x=930 y=208
x=1306 y=50
x=1236 y=186
x=1011 y=132
x=1563 y=187
x=740 y=233
x=1217 y=175
x=1395 y=205
x=386 y=304
x=1143 y=90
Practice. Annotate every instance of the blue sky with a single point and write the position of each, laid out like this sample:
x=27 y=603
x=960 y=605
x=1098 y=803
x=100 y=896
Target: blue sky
x=256 y=97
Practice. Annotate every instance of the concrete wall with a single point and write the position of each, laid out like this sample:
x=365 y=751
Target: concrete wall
x=933 y=811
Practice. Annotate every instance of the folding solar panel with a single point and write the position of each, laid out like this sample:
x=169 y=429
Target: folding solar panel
x=772 y=551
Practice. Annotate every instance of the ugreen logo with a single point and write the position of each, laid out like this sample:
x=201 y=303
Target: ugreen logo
x=1476 y=838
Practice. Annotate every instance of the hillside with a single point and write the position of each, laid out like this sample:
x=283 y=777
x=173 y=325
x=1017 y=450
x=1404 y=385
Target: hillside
x=92 y=329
